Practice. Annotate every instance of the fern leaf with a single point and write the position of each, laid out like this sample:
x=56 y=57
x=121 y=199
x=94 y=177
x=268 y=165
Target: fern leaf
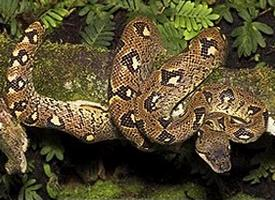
x=54 y=16
x=172 y=37
x=266 y=162
x=223 y=11
x=99 y=34
x=249 y=36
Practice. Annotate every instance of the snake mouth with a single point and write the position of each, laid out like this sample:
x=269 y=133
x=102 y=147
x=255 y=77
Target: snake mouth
x=218 y=165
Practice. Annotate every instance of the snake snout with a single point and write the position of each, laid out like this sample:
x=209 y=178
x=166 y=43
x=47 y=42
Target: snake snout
x=220 y=161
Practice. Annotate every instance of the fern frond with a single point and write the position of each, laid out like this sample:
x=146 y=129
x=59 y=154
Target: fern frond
x=249 y=36
x=129 y=5
x=194 y=16
x=99 y=33
x=173 y=38
x=266 y=162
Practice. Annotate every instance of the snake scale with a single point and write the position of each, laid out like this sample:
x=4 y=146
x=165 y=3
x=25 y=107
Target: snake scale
x=149 y=107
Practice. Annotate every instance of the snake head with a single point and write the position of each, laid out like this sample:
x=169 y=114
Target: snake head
x=214 y=148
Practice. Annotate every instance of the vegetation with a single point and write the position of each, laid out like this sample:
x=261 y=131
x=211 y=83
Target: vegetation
x=178 y=22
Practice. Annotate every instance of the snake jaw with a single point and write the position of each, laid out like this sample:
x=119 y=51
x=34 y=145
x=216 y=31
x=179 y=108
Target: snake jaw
x=214 y=148
x=218 y=161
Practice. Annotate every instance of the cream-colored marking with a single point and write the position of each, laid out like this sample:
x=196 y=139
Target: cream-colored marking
x=1 y=126
x=167 y=140
x=174 y=80
x=35 y=38
x=11 y=106
x=17 y=113
x=271 y=126
x=23 y=164
x=128 y=93
x=24 y=58
x=25 y=144
x=199 y=133
x=11 y=91
x=15 y=63
x=28 y=30
x=250 y=112
x=221 y=126
x=201 y=119
x=88 y=105
x=212 y=51
x=237 y=121
x=146 y=31
x=179 y=110
x=25 y=40
x=15 y=52
x=34 y=116
x=55 y=120
x=244 y=137
x=155 y=98
x=133 y=118
x=90 y=138
x=12 y=77
x=223 y=36
x=21 y=84
x=166 y=118
x=226 y=99
x=136 y=63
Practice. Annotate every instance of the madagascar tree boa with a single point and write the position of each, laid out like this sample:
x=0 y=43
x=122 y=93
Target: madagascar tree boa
x=148 y=106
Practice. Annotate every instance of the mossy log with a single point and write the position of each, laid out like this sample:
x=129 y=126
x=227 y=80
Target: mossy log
x=72 y=72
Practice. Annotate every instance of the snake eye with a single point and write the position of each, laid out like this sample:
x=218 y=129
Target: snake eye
x=237 y=120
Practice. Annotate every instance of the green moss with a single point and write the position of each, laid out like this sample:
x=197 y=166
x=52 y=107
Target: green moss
x=186 y=191
x=242 y=196
x=100 y=190
x=132 y=187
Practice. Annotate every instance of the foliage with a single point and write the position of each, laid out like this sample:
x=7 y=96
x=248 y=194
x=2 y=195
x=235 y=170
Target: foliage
x=6 y=182
x=53 y=188
x=29 y=189
x=249 y=35
x=51 y=147
x=50 y=12
x=266 y=167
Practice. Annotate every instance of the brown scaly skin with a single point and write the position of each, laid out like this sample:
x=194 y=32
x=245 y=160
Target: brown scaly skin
x=159 y=107
x=85 y=120
x=13 y=140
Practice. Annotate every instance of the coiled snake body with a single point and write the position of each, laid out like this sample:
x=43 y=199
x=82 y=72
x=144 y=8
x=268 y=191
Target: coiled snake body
x=162 y=106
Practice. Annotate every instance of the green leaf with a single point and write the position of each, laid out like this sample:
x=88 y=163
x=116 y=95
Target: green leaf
x=245 y=15
x=29 y=189
x=99 y=34
x=263 y=28
x=52 y=148
x=271 y=2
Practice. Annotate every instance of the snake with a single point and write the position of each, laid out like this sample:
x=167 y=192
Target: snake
x=147 y=106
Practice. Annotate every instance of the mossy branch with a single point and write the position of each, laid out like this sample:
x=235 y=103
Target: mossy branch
x=71 y=72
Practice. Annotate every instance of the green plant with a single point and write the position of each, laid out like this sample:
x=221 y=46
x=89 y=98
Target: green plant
x=266 y=167
x=8 y=12
x=53 y=188
x=29 y=189
x=52 y=147
x=6 y=182
x=50 y=12
x=99 y=28
x=249 y=35
x=54 y=14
